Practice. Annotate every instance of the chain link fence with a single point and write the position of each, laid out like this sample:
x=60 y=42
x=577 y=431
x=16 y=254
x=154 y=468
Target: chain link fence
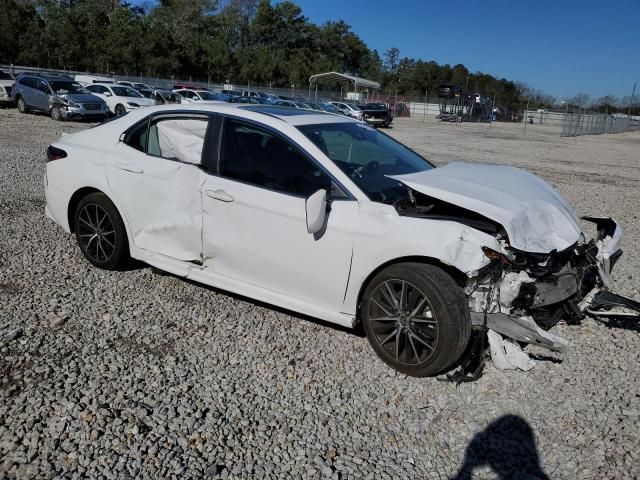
x=577 y=124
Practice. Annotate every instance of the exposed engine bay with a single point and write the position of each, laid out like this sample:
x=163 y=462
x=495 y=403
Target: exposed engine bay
x=520 y=295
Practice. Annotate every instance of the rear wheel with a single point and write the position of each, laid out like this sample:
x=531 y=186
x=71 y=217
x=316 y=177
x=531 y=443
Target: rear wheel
x=22 y=106
x=100 y=232
x=416 y=318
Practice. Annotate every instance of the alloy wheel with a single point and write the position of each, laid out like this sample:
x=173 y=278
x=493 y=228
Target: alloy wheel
x=96 y=232
x=403 y=322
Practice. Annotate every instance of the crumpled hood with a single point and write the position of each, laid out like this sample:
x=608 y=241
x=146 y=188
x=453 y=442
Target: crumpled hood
x=81 y=97
x=535 y=216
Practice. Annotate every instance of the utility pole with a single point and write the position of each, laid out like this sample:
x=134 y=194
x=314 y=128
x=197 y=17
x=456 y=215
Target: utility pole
x=493 y=105
x=632 y=95
x=426 y=105
x=525 y=116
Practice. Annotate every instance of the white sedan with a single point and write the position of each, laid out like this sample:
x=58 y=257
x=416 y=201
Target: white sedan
x=119 y=98
x=196 y=96
x=326 y=216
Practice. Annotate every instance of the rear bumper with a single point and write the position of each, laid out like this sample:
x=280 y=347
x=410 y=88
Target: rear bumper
x=377 y=121
x=57 y=202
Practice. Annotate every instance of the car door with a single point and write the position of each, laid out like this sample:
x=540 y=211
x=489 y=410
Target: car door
x=254 y=219
x=41 y=96
x=156 y=174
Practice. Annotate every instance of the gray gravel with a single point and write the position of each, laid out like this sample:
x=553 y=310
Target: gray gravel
x=136 y=374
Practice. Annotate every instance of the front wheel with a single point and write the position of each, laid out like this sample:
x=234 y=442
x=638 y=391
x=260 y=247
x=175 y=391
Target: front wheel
x=100 y=232
x=56 y=114
x=22 y=106
x=120 y=110
x=416 y=318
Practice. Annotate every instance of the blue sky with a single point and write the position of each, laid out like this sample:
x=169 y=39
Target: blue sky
x=563 y=47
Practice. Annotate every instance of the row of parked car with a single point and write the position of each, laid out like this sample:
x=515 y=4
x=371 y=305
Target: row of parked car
x=95 y=97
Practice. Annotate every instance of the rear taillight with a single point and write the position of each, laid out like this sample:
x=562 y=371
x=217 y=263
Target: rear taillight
x=54 y=153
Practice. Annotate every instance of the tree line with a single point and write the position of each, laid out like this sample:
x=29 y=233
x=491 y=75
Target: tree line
x=243 y=41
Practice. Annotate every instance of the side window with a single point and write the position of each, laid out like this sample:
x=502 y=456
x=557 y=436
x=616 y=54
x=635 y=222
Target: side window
x=178 y=139
x=255 y=155
x=137 y=137
x=43 y=87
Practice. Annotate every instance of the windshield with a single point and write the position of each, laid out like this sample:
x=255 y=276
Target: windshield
x=140 y=85
x=327 y=107
x=5 y=76
x=207 y=96
x=368 y=156
x=125 y=92
x=62 y=87
x=145 y=93
x=375 y=106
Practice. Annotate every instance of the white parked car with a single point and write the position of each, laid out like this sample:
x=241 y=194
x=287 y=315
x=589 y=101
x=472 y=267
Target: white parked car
x=326 y=216
x=135 y=85
x=7 y=82
x=85 y=80
x=120 y=98
x=196 y=96
x=349 y=109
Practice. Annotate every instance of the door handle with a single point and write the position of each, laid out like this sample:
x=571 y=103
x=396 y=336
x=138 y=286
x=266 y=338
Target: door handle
x=219 y=195
x=128 y=168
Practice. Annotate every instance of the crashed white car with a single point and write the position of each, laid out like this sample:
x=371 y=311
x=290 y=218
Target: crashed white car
x=119 y=98
x=326 y=216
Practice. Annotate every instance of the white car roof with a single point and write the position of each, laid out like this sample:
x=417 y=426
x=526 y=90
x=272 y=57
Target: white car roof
x=292 y=116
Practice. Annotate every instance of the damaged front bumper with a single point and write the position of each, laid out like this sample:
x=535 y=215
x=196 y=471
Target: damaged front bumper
x=521 y=295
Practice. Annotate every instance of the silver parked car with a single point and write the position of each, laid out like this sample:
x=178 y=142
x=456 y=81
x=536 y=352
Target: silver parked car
x=58 y=95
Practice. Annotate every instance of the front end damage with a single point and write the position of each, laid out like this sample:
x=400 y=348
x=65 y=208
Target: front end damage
x=520 y=294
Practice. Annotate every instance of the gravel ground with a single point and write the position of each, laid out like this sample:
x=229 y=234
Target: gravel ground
x=136 y=374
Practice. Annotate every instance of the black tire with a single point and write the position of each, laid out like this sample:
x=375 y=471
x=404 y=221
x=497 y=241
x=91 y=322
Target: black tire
x=102 y=239
x=56 y=114
x=120 y=110
x=22 y=105
x=428 y=340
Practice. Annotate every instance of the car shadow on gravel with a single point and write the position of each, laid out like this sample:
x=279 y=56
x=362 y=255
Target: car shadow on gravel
x=357 y=331
x=508 y=447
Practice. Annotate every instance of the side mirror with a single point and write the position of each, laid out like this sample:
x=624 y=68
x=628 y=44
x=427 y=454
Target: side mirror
x=107 y=94
x=316 y=209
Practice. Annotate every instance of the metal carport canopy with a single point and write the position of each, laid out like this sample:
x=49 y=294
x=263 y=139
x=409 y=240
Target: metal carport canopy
x=357 y=81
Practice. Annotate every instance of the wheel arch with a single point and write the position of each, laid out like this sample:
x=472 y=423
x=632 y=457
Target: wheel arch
x=74 y=201
x=458 y=276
